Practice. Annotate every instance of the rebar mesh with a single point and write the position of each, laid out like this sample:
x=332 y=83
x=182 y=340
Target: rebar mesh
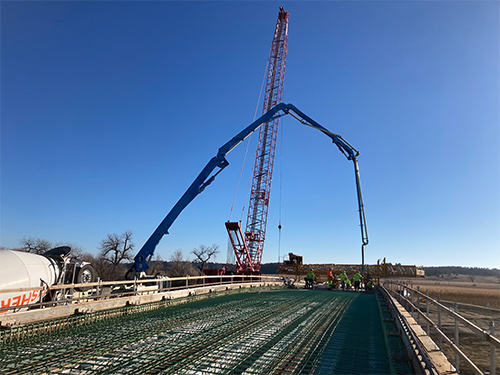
x=278 y=332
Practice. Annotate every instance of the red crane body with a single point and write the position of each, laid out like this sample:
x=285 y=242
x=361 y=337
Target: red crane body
x=248 y=248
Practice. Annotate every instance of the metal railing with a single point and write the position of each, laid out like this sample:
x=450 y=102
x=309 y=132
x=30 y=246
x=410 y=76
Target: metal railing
x=405 y=295
x=422 y=363
x=66 y=294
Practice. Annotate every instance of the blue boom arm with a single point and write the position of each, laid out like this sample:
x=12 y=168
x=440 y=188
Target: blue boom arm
x=205 y=178
x=351 y=154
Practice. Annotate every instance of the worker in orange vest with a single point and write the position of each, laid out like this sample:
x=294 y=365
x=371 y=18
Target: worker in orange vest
x=329 y=277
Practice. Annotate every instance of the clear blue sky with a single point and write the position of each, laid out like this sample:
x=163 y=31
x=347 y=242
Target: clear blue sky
x=109 y=110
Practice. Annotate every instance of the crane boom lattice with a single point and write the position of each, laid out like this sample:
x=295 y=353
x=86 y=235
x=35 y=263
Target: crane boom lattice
x=249 y=260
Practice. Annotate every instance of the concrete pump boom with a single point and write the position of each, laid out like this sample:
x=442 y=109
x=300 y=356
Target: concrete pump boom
x=205 y=178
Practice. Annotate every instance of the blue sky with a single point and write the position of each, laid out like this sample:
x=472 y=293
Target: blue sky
x=109 y=110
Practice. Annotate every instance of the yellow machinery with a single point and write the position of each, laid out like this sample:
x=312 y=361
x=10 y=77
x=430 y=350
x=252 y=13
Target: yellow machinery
x=295 y=267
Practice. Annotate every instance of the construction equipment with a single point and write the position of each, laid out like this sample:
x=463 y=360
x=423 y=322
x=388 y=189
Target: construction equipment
x=249 y=253
x=205 y=178
x=248 y=258
x=294 y=259
x=294 y=268
x=21 y=271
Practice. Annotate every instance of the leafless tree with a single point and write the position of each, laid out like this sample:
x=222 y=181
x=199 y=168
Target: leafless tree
x=114 y=250
x=117 y=248
x=35 y=245
x=157 y=265
x=39 y=246
x=76 y=251
x=204 y=253
x=88 y=257
x=179 y=267
x=472 y=280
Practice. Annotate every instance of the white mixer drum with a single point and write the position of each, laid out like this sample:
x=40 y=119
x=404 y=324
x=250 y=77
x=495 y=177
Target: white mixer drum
x=24 y=270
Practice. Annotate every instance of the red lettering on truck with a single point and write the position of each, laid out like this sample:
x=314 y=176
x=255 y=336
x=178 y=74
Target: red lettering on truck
x=22 y=299
x=34 y=295
x=16 y=300
x=5 y=304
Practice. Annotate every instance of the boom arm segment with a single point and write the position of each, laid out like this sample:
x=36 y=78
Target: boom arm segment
x=351 y=154
x=141 y=260
x=205 y=178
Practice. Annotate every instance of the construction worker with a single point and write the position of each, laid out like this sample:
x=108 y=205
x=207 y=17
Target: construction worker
x=309 y=280
x=329 y=277
x=357 y=281
x=343 y=279
x=370 y=285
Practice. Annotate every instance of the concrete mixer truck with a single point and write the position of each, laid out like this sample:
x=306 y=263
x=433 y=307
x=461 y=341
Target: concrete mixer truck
x=20 y=271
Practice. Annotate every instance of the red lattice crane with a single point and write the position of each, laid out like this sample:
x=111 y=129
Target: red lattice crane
x=248 y=247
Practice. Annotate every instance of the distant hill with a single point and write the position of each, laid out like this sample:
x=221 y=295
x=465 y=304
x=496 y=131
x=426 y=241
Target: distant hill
x=270 y=269
x=455 y=270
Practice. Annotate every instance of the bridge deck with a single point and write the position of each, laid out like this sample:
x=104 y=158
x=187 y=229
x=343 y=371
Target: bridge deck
x=276 y=332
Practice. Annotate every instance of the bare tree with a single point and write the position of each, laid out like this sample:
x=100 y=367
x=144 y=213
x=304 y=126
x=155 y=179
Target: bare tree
x=204 y=253
x=40 y=246
x=117 y=248
x=472 y=280
x=76 y=251
x=179 y=267
x=35 y=245
x=88 y=257
x=157 y=265
x=113 y=251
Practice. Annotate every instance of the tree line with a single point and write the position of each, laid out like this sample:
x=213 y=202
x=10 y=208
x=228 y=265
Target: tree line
x=456 y=270
x=116 y=252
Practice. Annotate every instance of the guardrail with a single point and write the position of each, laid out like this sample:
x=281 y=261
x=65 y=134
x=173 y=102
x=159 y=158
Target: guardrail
x=67 y=294
x=422 y=363
x=405 y=295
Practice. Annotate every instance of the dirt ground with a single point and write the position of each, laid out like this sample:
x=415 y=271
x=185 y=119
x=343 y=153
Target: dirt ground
x=478 y=301
x=483 y=291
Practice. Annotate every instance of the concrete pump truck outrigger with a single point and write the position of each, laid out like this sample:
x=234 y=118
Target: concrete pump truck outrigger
x=205 y=178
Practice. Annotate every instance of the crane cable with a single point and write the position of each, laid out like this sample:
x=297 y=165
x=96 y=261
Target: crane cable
x=248 y=143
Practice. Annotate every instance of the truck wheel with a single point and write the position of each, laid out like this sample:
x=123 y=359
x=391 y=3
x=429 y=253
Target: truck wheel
x=85 y=275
